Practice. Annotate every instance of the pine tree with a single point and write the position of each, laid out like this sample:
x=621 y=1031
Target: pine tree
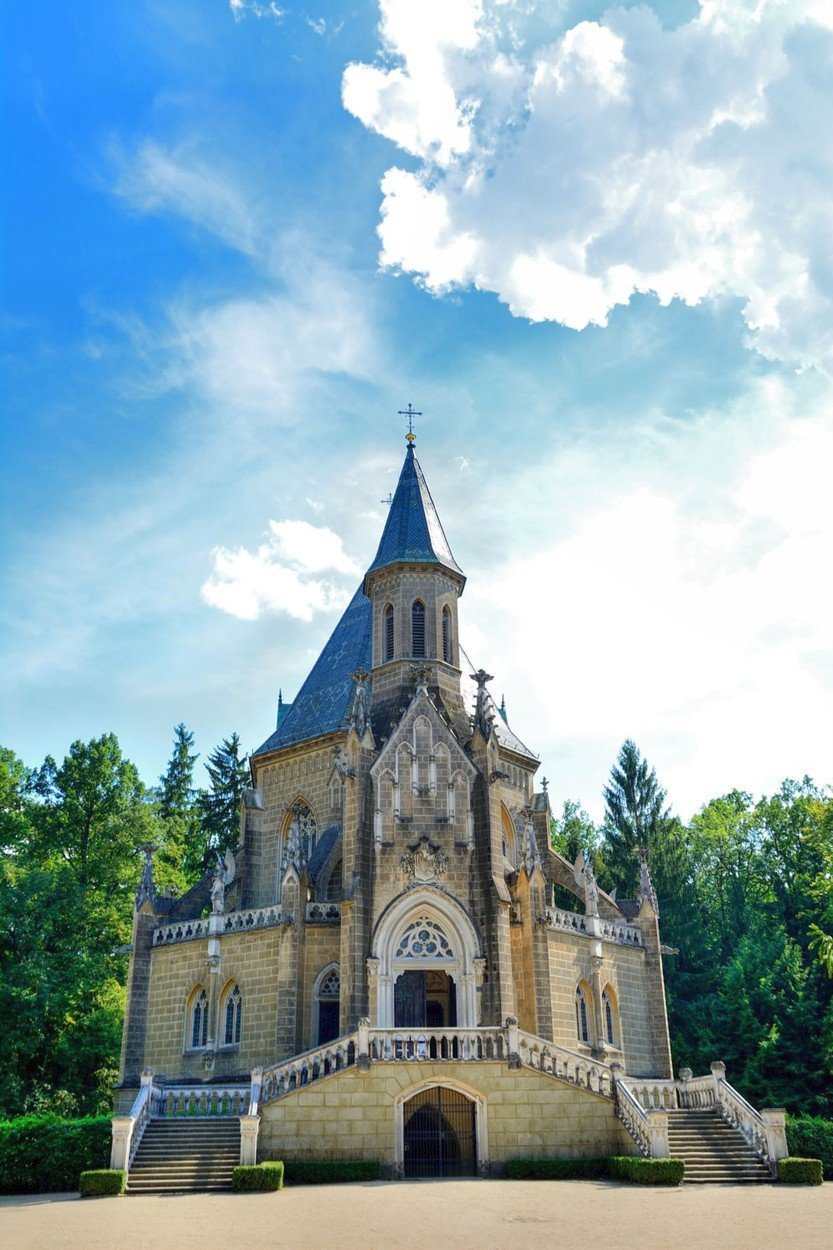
x=636 y=815
x=179 y=813
x=220 y=806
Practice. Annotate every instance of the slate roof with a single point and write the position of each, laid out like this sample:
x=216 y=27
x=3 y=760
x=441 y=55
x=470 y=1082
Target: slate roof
x=413 y=532
x=323 y=848
x=323 y=701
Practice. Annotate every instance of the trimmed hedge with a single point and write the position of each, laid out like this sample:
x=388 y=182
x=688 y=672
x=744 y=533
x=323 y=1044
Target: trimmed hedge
x=258 y=1178
x=800 y=1171
x=811 y=1137
x=556 y=1169
x=646 y=1171
x=330 y=1171
x=101 y=1182
x=45 y=1154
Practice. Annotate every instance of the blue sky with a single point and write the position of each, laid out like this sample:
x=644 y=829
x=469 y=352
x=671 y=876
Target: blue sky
x=593 y=244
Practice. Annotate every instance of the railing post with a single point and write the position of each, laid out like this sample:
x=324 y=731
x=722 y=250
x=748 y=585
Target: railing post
x=513 y=1041
x=363 y=1054
x=775 y=1127
x=718 y=1075
x=658 y=1134
x=249 y=1128
x=122 y=1130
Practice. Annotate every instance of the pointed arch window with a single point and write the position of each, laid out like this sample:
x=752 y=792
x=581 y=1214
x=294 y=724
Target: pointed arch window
x=198 y=1031
x=447 y=634
x=388 y=632
x=232 y=1017
x=418 y=628
x=582 y=1015
x=327 y=997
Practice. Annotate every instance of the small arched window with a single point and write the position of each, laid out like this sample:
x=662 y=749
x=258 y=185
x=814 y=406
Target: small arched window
x=609 y=1018
x=418 y=628
x=388 y=636
x=327 y=991
x=582 y=1016
x=232 y=1017
x=447 y=635
x=198 y=1032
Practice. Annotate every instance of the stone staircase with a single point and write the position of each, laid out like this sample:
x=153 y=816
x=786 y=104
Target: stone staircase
x=712 y=1149
x=185 y=1156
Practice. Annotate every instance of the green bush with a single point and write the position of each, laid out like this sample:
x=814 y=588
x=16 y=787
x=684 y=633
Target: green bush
x=102 y=1181
x=646 y=1171
x=800 y=1171
x=556 y=1169
x=330 y=1171
x=811 y=1137
x=258 y=1178
x=43 y=1154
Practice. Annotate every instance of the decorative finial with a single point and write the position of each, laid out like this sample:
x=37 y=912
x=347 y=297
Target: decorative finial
x=410 y=412
x=389 y=499
x=545 y=783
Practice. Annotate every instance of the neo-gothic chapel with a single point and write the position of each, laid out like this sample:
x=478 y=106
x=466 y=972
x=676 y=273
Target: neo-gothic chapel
x=378 y=970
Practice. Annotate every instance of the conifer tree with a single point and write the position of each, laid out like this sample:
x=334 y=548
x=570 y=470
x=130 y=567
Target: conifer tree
x=179 y=813
x=219 y=807
x=636 y=815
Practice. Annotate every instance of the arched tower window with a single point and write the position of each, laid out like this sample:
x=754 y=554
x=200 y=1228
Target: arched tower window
x=326 y=996
x=582 y=1015
x=388 y=632
x=418 y=628
x=510 y=844
x=447 y=634
x=232 y=1013
x=198 y=1019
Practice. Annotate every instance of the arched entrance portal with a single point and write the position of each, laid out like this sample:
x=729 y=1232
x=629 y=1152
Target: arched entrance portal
x=424 y=1000
x=439 y=1134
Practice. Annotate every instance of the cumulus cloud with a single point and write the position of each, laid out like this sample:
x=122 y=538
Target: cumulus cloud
x=253 y=8
x=278 y=577
x=567 y=170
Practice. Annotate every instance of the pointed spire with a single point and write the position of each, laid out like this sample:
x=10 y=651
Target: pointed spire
x=503 y=708
x=413 y=533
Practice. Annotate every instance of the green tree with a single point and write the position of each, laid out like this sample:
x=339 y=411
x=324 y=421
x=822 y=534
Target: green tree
x=180 y=814
x=228 y=773
x=635 y=815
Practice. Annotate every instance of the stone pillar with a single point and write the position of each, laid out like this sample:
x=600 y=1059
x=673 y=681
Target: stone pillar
x=597 y=987
x=718 y=1074
x=249 y=1128
x=513 y=1042
x=138 y=990
x=363 y=1057
x=122 y=1130
x=658 y=1133
x=655 y=990
x=775 y=1126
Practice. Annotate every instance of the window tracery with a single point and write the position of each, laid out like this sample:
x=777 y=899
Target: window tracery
x=232 y=1015
x=423 y=939
x=198 y=1032
x=582 y=1015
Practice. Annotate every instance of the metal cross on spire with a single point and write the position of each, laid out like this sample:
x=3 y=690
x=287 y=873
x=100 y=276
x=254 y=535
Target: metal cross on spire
x=410 y=412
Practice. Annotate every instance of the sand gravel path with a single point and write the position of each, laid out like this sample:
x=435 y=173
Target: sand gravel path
x=448 y=1215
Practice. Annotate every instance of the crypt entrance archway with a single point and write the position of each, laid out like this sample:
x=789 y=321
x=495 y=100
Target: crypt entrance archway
x=439 y=1136
x=426 y=965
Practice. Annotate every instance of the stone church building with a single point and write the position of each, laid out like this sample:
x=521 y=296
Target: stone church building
x=379 y=969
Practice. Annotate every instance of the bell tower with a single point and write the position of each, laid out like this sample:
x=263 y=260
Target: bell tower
x=414 y=584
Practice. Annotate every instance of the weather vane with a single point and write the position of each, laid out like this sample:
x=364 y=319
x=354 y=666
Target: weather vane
x=410 y=412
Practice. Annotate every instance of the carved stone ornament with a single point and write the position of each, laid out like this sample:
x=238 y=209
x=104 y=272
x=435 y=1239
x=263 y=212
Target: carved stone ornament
x=646 y=893
x=360 y=708
x=585 y=877
x=146 y=889
x=421 y=674
x=422 y=863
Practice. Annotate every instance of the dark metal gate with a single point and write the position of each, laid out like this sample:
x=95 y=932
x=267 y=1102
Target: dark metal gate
x=439 y=1134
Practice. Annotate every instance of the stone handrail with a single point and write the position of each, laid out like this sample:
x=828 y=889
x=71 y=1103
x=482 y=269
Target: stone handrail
x=323 y=913
x=653 y=1095
x=466 y=1045
x=696 y=1093
x=592 y=926
x=634 y=1117
x=254 y=918
x=191 y=1101
x=568 y=1065
x=735 y=1110
x=180 y=931
x=305 y=1068
x=127 y=1129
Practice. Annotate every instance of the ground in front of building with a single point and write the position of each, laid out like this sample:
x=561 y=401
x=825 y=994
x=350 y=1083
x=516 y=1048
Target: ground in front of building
x=454 y=1215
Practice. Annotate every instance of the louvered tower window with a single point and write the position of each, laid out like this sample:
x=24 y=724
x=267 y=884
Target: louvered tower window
x=389 y=632
x=447 y=635
x=418 y=628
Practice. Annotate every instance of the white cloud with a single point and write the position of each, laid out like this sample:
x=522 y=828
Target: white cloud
x=240 y=8
x=566 y=171
x=697 y=618
x=276 y=578
x=156 y=179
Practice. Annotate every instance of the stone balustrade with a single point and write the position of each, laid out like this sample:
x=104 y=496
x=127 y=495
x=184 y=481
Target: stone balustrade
x=175 y=1101
x=566 y=1065
x=461 y=1045
x=323 y=913
x=593 y=926
x=303 y=1069
x=220 y=925
x=649 y=1129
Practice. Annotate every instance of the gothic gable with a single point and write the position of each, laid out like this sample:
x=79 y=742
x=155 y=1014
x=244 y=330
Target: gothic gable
x=422 y=779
